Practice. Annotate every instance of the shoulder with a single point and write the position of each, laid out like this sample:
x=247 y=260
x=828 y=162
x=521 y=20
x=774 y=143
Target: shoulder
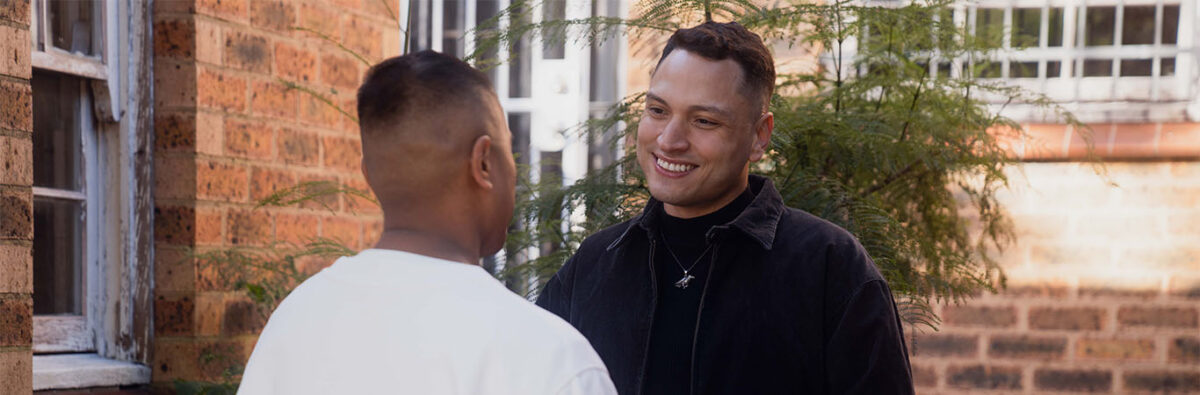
x=602 y=239
x=842 y=257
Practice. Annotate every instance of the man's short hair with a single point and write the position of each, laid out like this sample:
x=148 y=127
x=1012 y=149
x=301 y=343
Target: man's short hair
x=417 y=85
x=720 y=41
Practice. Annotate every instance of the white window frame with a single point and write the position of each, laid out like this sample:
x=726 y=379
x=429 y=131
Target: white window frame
x=110 y=341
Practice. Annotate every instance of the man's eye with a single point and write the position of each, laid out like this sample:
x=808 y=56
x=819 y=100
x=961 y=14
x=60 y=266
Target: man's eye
x=656 y=111
x=705 y=122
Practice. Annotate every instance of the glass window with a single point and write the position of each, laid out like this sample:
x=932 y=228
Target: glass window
x=1053 y=69
x=452 y=27
x=519 y=67
x=989 y=25
x=1138 y=26
x=1097 y=67
x=75 y=26
x=988 y=69
x=58 y=202
x=484 y=10
x=1023 y=70
x=1026 y=27
x=1168 y=67
x=1099 y=26
x=519 y=124
x=1136 y=67
x=554 y=42
x=1054 y=33
x=1170 y=24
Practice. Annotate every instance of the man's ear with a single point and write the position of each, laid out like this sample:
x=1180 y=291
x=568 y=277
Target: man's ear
x=481 y=168
x=762 y=136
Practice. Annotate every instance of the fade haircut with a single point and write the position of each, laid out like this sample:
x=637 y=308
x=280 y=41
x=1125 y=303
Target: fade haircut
x=720 y=41
x=414 y=86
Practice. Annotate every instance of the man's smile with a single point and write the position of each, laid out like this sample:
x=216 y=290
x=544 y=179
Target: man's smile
x=673 y=168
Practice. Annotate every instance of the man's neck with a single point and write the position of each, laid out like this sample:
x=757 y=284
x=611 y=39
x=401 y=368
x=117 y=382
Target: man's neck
x=426 y=243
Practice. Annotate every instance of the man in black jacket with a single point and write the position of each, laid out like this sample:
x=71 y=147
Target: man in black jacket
x=717 y=287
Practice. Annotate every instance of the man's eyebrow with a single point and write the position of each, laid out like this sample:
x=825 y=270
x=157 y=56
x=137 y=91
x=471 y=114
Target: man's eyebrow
x=713 y=109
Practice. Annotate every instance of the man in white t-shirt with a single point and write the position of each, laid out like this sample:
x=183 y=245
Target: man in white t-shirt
x=417 y=314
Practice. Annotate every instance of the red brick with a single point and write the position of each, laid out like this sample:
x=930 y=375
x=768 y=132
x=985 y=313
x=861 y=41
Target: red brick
x=17 y=111
x=174 y=177
x=372 y=229
x=231 y=10
x=221 y=91
x=937 y=344
x=315 y=111
x=1073 y=380
x=16 y=12
x=247 y=51
x=1165 y=317
x=16 y=366
x=984 y=377
x=218 y=273
x=273 y=99
x=248 y=139
x=228 y=354
x=174 y=270
x=16 y=210
x=321 y=20
x=347 y=4
x=1049 y=290
x=295 y=63
x=16 y=320
x=1185 y=350
x=273 y=15
x=14 y=52
x=265 y=182
x=318 y=187
x=1163 y=382
x=209 y=42
x=173 y=315
x=1180 y=140
x=340 y=71
x=298 y=147
x=16 y=161
x=242 y=317
x=175 y=38
x=387 y=8
x=296 y=229
x=210 y=313
x=1117 y=293
x=342 y=153
x=980 y=316
x=1124 y=349
x=174 y=359
x=1027 y=347
x=175 y=85
x=175 y=225
x=249 y=227
x=16 y=268
x=174 y=131
x=221 y=182
x=363 y=37
x=359 y=198
x=347 y=232
x=209 y=225
x=924 y=376
x=1083 y=318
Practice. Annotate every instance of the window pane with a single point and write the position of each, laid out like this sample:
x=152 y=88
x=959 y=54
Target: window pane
x=602 y=81
x=519 y=66
x=944 y=69
x=988 y=69
x=1168 y=67
x=1097 y=68
x=1054 y=33
x=1026 y=27
x=484 y=10
x=74 y=26
x=57 y=148
x=519 y=124
x=57 y=258
x=1136 y=67
x=989 y=25
x=1023 y=70
x=1053 y=69
x=452 y=16
x=1099 y=26
x=1138 y=27
x=1170 y=24
x=553 y=40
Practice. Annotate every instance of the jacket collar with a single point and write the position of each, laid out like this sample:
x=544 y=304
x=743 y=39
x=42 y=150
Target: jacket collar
x=758 y=221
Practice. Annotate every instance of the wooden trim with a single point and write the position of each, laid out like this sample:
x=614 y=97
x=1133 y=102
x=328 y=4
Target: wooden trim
x=61 y=333
x=59 y=194
x=69 y=64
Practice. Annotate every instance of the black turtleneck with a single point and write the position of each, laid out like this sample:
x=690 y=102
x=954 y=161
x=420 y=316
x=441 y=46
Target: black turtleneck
x=668 y=365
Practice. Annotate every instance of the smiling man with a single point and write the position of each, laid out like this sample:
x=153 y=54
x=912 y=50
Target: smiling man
x=717 y=287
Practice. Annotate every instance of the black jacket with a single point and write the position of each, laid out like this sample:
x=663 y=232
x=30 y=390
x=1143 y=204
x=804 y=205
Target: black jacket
x=792 y=305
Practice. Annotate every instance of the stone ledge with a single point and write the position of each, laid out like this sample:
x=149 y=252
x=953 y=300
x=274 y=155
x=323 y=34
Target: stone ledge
x=63 y=371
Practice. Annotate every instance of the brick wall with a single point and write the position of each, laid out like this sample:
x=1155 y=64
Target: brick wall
x=1104 y=289
x=16 y=200
x=229 y=132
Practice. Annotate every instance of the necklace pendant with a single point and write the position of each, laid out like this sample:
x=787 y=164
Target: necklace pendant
x=683 y=282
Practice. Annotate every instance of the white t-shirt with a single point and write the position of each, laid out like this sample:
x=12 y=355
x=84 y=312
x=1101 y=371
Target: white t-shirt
x=393 y=322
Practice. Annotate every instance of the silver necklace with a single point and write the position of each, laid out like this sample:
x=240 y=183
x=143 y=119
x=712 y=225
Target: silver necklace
x=687 y=278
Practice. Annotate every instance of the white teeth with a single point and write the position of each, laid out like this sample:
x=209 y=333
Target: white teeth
x=673 y=167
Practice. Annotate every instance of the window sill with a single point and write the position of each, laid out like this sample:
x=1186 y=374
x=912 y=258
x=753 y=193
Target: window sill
x=63 y=371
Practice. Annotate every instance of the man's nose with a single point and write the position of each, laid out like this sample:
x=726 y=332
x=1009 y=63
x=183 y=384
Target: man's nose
x=673 y=137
